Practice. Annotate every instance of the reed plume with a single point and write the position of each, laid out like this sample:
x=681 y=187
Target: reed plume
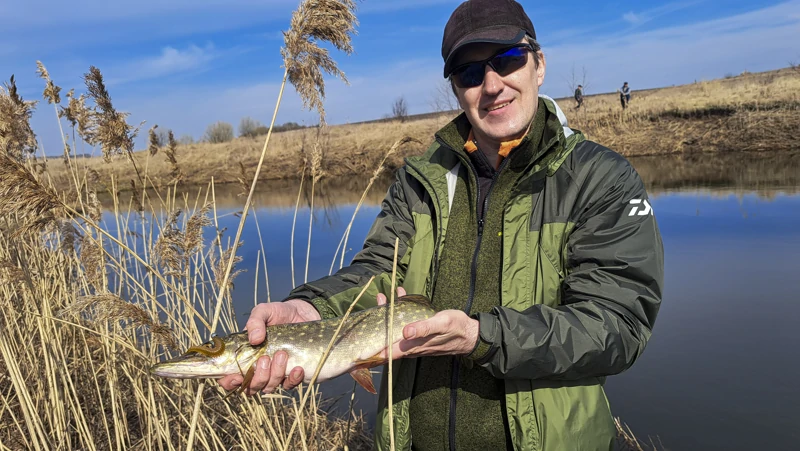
x=242 y=179
x=93 y=261
x=78 y=115
x=108 y=307
x=69 y=235
x=174 y=247
x=172 y=148
x=193 y=238
x=51 y=91
x=17 y=138
x=168 y=250
x=153 y=141
x=22 y=195
x=135 y=199
x=220 y=268
x=108 y=127
x=305 y=61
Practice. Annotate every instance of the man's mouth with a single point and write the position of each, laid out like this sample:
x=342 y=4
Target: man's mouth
x=498 y=106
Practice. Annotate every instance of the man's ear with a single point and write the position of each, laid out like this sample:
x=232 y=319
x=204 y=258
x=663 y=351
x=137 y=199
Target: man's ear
x=541 y=69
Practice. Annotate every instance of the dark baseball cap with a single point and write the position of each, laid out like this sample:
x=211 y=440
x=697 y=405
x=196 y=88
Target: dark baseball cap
x=492 y=21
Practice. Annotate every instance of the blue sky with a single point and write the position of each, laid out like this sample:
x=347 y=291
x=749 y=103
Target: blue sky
x=184 y=64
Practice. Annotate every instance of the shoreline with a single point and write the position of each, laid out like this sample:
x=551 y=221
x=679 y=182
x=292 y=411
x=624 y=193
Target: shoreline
x=742 y=115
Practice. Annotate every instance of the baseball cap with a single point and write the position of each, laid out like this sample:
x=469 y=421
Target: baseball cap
x=491 y=21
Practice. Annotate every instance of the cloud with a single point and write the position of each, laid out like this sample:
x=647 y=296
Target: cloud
x=636 y=19
x=758 y=40
x=384 y=6
x=170 y=61
x=632 y=18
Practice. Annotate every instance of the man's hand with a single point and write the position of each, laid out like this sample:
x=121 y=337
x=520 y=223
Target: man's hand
x=449 y=332
x=269 y=373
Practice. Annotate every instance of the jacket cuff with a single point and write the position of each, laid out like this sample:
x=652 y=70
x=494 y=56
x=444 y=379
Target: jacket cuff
x=487 y=330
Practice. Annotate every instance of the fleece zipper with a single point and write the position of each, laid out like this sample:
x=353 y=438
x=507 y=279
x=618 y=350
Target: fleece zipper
x=474 y=271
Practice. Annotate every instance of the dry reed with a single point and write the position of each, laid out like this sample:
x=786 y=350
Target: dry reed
x=305 y=61
x=17 y=139
x=152 y=140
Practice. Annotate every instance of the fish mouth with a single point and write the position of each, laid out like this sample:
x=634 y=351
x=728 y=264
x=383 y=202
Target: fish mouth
x=187 y=366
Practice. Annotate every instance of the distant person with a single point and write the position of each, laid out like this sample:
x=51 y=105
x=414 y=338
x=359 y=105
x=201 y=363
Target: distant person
x=579 y=96
x=625 y=95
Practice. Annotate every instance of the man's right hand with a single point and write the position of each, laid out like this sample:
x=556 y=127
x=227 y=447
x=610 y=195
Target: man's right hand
x=270 y=373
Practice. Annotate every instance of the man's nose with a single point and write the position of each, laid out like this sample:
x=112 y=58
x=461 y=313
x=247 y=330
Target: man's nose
x=492 y=82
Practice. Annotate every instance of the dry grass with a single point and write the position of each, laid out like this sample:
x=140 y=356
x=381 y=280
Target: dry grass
x=751 y=112
x=754 y=112
x=81 y=323
x=90 y=301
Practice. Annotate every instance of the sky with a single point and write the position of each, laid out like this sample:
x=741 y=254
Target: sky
x=184 y=64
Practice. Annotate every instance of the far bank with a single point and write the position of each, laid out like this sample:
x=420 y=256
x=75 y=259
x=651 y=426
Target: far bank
x=747 y=113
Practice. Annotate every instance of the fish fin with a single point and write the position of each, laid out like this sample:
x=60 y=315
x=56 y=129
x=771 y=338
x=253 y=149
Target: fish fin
x=376 y=360
x=364 y=379
x=247 y=378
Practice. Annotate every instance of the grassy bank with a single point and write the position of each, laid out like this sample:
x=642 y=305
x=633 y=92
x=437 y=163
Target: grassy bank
x=750 y=112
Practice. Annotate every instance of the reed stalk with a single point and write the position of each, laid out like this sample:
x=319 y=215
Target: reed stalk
x=390 y=343
x=325 y=354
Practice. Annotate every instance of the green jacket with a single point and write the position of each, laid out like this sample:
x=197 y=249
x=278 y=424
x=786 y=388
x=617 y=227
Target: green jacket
x=581 y=283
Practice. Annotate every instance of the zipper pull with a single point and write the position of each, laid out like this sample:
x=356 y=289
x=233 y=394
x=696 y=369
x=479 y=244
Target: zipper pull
x=480 y=226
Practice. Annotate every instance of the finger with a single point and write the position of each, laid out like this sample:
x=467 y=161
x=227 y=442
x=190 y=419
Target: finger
x=401 y=292
x=294 y=378
x=381 y=299
x=260 y=375
x=230 y=382
x=257 y=323
x=277 y=371
x=438 y=324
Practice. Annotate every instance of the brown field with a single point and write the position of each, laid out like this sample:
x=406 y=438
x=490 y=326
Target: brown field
x=749 y=112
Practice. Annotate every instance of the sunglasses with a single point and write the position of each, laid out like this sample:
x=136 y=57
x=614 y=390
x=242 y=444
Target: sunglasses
x=504 y=62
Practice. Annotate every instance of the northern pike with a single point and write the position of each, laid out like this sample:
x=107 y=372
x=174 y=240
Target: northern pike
x=356 y=350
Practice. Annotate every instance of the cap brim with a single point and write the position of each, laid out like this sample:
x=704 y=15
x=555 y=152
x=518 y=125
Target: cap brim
x=503 y=34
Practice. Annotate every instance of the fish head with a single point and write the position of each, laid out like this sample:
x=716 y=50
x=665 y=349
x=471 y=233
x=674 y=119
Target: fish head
x=222 y=356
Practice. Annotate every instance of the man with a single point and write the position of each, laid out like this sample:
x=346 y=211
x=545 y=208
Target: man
x=579 y=96
x=625 y=95
x=526 y=237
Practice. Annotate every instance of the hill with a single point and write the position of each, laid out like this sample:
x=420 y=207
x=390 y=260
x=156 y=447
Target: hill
x=750 y=112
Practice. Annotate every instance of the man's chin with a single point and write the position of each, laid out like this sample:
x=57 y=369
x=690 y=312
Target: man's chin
x=506 y=135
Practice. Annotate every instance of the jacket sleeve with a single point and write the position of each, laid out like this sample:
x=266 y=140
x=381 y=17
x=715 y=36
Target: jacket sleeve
x=610 y=295
x=332 y=295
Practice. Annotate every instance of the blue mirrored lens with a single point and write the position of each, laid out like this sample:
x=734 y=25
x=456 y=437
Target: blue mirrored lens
x=510 y=60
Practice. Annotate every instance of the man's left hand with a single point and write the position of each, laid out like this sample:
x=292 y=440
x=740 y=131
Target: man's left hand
x=449 y=332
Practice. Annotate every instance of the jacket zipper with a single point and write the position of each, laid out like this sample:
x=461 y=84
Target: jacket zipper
x=474 y=270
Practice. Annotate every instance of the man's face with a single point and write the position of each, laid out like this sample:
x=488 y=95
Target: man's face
x=502 y=107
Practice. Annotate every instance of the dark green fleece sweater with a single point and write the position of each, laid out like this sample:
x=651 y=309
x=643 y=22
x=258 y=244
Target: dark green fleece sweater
x=444 y=383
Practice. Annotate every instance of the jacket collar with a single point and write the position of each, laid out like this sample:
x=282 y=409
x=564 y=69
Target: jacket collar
x=442 y=156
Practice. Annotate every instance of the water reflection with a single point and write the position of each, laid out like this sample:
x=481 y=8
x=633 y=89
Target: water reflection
x=767 y=173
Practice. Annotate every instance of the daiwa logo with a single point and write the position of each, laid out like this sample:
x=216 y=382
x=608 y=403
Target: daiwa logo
x=640 y=207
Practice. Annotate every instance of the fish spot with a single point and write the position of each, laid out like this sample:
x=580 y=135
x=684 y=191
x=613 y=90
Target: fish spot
x=302 y=334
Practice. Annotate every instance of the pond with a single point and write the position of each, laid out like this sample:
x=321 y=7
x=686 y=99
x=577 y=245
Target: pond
x=720 y=371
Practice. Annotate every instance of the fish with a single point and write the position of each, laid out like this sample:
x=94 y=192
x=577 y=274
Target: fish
x=357 y=348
